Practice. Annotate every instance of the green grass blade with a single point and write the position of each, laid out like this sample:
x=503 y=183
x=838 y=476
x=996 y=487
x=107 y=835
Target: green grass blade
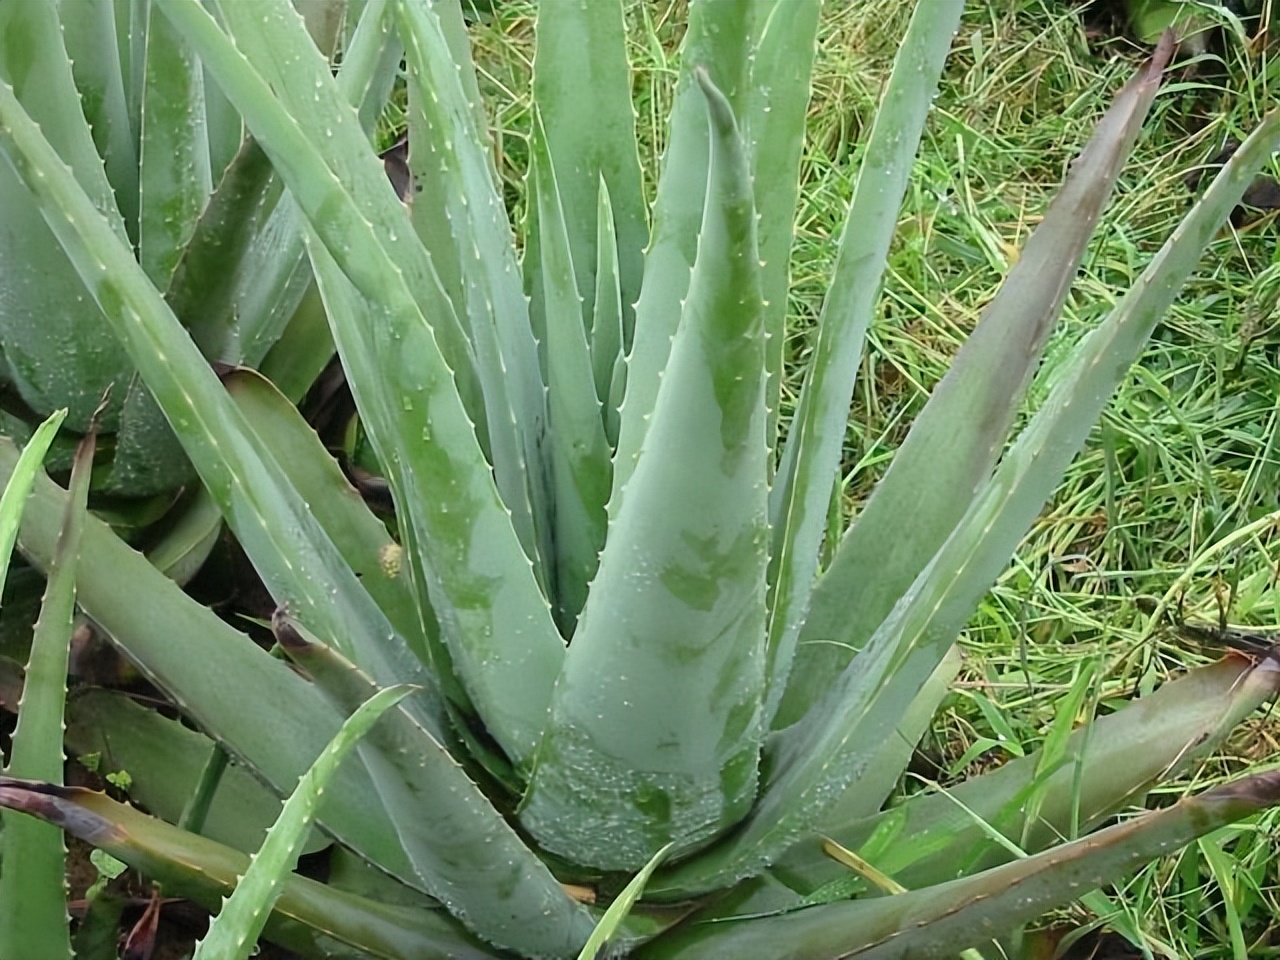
x=231 y=688
x=582 y=86
x=579 y=453
x=174 y=179
x=234 y=931
x=716 y=39
x=33 y=892
x=19 y=484
x=655 y=732
x=955 y=442
x=57 y=351
x=938 y=922
x=467 y=856
x=277 y=528
x=309 y=916
x=811 y=458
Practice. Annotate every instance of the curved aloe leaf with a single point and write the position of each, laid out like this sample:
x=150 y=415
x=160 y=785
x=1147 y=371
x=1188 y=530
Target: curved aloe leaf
x=822 y=756
x=231 y=688
x=164 y=759
x=802 y=490
x=476 y=864
x=938 y=922
x=33 y=857
x=578 y=450
x=18 y=486
x=174 y=178
x=655 y=729
x=773 y=116
x=234 y=931
x=450 y=136
x=1111 y=762
x=55 y=350
x=404 y=385
x=309 y=916
x=582 y=86
x=954 y=443
x=298 y=562
x=716 y=40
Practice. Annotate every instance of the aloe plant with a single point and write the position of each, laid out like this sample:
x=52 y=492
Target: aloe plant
x=604 y=579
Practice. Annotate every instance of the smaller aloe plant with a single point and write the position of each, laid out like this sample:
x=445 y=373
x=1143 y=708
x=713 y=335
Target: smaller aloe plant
x=605 y=577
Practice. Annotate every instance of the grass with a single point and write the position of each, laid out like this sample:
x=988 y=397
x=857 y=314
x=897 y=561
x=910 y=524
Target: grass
x=1175 y=497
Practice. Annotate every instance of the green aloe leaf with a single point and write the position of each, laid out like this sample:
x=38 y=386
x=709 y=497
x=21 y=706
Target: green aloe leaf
x=716 y=40
x=296 y=559
x=773 y=116
x=33 y=856
x=579 y=454
x=175 y=180
x=477 y=866
x=638 y=752
x=164 y=759
x=56 y=351
x=938 y=922
x=621 y=906
x=1111 y=762
x=92 y=34
x=403 y=383
x=309 y=916
x=582 y=86
x=819 y=758
x=811 y=458
x=359 y=536
x=608 y=353
x=230 y=687
x=234 y=931
x=954 y=443
x=18 y=486
x=448 y=131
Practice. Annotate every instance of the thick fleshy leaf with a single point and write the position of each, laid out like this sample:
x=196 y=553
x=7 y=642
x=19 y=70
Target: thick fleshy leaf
x=811 y=458
x=18 y=486
x=449 y=138
x=174 y=179
x=940 y=921
x=655 y=726
x=32 y=856
x=717 y=39
x=473 y=862
x=234 y=932
x=309 y=916
x=1111 y=762
x=582 y=86
x=362 y=539
x=578 y=452
x=458 y=534
x=607 y=331
x=231 y=688
x=815 y=761
x=164 y=759
x=773 y=116
x=296 y=559
x=954 y=443
x=56 y=351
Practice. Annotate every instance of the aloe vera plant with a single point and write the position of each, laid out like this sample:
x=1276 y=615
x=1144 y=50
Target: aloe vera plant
x=604 y=581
